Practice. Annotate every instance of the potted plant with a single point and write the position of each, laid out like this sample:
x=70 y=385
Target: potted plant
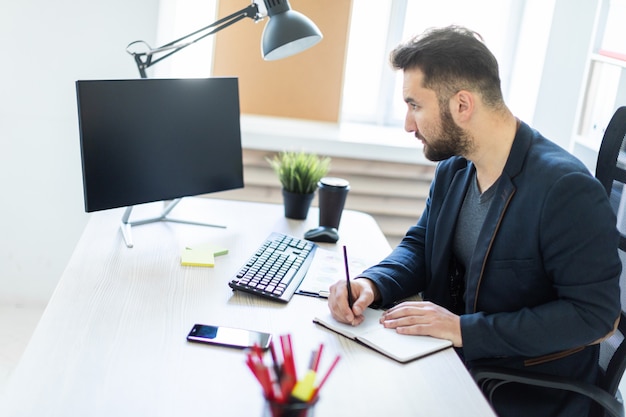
x=299 y=173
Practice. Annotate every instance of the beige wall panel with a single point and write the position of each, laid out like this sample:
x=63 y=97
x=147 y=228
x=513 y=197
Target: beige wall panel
x=304 y=86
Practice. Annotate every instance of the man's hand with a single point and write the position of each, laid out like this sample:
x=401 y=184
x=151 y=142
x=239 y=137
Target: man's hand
x=424 y=318
x=364 y=292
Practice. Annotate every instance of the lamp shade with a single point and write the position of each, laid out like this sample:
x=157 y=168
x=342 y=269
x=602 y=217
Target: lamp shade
x=287 y=32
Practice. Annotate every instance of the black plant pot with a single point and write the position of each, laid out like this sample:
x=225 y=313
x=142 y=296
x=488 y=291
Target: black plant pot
x=297 y=205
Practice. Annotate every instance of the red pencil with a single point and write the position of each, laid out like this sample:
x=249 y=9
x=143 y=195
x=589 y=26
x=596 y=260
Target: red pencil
x=262 y=374
x=316 y=359
x=323 y=381
x=288 y=378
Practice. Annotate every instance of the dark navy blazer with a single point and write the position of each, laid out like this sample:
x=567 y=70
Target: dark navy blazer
x=543 y=281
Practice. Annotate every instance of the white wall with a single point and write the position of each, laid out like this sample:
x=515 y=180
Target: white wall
x=563 y=70
x=529 y=55
x=46 y=47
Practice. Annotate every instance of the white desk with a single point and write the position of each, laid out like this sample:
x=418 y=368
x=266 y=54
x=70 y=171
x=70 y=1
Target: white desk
x=112 y=339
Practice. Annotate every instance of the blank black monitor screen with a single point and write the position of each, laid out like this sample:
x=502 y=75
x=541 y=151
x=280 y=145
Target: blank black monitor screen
x=146 y=140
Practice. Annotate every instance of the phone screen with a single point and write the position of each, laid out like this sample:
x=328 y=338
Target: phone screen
x=228 y=336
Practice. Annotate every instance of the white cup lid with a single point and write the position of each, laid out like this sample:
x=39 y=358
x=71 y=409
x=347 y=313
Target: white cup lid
x=335 y=182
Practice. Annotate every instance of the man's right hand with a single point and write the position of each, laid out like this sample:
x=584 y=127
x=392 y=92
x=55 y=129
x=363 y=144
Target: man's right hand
x=364 y=292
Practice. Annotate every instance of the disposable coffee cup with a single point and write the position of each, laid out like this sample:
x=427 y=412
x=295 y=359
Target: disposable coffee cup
x=332 y=193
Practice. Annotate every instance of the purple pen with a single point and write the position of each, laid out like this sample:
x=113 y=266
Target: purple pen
x=345 y=261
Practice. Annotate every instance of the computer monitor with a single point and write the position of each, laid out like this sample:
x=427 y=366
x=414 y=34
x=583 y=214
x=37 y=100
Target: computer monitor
x=147 y=140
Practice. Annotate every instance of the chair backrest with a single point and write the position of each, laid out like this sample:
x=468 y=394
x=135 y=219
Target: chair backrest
x=611 y=172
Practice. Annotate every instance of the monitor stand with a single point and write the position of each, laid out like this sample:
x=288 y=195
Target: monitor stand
x=126 y=225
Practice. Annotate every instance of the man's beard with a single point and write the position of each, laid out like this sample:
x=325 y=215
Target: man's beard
x=450 y=141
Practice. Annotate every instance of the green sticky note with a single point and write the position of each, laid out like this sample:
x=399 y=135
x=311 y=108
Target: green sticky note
x=201 y=255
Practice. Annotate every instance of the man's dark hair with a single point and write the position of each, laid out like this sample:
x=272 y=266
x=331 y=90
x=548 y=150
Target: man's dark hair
x=452 y=58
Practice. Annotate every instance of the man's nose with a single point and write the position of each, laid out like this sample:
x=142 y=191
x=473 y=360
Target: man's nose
x=409 y=123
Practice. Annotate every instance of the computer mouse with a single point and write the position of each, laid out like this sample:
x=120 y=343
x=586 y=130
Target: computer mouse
x=322 y=234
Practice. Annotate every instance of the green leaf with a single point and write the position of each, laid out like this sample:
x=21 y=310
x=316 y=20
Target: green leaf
x=299 y=172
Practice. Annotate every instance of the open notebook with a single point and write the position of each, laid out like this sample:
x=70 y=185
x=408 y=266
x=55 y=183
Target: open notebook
x=328 y=267
x=402 y=348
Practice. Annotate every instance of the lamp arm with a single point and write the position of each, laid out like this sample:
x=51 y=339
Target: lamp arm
x=144 y=59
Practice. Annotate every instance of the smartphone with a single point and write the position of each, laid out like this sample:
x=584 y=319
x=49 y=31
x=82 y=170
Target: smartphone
x=228 y=336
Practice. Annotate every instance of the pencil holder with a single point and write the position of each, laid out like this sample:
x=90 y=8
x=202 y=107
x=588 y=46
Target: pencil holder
x=273 y=408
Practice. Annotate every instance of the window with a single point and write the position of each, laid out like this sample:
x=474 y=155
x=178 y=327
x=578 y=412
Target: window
x=516 y=31
x=372 y=90
x=178 y=18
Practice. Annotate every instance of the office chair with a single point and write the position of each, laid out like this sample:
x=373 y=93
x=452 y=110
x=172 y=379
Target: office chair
x=611 y=172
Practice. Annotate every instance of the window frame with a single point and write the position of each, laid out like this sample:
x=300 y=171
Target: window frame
x=386 y=109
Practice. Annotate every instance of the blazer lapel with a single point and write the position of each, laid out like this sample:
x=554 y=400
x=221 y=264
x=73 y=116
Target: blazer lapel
x=474 y=274
x=443 y=234
x=504 y=194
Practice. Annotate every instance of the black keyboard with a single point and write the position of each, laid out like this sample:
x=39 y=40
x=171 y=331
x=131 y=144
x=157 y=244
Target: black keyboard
x=277 y=268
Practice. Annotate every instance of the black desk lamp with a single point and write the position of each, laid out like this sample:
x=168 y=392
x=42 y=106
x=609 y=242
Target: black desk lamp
x=287 y=33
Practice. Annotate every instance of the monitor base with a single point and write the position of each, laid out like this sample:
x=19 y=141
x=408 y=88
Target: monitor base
x=126 y=225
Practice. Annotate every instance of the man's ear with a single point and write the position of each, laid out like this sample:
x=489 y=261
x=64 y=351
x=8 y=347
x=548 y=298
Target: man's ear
x=462 y=106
